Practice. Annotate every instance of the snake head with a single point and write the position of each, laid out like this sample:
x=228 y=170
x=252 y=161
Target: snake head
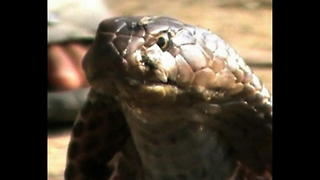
x=129 y=53
x=162 y=57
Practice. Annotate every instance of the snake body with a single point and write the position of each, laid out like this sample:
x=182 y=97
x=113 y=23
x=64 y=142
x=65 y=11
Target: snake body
x=169 y=101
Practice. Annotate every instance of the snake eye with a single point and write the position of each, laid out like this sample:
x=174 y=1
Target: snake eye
x=163 y=41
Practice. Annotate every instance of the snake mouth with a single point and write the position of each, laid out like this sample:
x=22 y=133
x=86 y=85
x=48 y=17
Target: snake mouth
x=136 y=65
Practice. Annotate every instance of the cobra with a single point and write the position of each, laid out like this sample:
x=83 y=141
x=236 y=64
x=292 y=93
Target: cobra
x=169 y=101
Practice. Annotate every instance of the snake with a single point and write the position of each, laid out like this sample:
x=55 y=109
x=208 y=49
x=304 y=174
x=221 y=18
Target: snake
x=169 y=101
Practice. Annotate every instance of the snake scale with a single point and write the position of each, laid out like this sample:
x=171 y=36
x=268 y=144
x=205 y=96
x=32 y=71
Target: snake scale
x=169 y=101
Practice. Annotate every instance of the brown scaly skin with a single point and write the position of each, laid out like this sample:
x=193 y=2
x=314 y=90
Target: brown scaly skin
x=169 y=101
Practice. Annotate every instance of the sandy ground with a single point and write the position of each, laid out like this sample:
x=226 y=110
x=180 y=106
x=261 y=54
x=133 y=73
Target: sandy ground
x=245 y=24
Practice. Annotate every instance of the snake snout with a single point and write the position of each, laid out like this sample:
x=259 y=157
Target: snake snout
x=102 y=62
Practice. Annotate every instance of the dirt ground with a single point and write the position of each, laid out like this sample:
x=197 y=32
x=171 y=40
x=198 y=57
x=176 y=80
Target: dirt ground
x=245 y=24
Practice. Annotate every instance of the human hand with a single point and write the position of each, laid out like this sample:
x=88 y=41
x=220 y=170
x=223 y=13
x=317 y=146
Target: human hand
x=64 y=65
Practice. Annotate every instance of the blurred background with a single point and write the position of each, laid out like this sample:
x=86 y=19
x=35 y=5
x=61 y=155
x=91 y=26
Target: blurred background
x=244 y=24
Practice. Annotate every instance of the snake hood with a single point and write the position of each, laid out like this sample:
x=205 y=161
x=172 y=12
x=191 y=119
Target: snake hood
x=175 y=101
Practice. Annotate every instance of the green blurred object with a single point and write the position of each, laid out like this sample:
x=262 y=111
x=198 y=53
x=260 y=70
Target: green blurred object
x=64 y=106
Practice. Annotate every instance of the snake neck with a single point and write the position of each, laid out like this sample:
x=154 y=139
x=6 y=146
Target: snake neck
x=175 y=144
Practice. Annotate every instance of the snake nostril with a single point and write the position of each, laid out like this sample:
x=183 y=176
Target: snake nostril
x=152 y=64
